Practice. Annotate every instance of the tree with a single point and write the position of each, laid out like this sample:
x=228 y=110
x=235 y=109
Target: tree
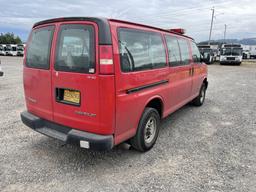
x=9 y=38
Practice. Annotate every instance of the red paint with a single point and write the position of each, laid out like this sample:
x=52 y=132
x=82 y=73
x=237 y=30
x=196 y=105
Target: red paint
x=103 y=93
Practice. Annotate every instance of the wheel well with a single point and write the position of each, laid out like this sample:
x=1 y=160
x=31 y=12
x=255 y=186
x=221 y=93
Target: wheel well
x=205 y=82
x=156 y=104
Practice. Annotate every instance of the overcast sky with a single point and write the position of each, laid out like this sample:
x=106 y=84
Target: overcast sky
x=18 y=16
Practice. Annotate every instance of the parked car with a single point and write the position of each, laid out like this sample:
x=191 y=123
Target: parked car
x=108 y=81
x=20 y=49
x=253 y=52
x=2 y=49
x=246 y=54
x=11 y=50
x=208 y=53
x=1 y=72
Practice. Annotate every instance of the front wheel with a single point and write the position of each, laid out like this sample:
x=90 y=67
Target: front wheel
x=199 y=100
x=147 y=131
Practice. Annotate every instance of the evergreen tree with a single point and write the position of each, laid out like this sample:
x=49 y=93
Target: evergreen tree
x=9 y=38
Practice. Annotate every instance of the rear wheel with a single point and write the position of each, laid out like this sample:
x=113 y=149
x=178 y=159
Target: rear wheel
x=199 y=100
x=147 y=131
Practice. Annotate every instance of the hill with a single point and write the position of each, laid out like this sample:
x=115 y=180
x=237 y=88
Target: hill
x=246 y=41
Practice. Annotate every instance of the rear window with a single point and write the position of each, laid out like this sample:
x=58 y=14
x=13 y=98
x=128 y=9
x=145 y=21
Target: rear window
x=38 y=50
x=76 y=49
x=140 y=50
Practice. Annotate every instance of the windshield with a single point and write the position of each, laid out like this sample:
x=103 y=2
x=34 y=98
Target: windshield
x=206 y=50
x=8 y=48
x=237 y=51
x=20 y=48
x=231 y=51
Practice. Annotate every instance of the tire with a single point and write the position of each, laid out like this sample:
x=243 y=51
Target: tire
x=211 y=61
x=199 y=100
x=147 y=131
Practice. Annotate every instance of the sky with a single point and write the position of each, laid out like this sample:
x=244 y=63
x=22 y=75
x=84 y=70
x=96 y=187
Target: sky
x=194 y=16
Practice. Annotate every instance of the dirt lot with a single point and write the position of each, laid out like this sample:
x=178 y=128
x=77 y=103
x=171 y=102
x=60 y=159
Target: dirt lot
x=211 y=148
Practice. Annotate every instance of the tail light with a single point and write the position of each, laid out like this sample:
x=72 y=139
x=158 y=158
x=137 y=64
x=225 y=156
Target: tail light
x=106 y=59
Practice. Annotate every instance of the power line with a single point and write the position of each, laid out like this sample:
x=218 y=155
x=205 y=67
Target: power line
x=177 y=12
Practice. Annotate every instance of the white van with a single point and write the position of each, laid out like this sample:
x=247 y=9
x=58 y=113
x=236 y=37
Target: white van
x=11 y=50
x=2 y=49
x=20 y=49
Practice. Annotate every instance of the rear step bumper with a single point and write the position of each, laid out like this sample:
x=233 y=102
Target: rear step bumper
x=66 y=134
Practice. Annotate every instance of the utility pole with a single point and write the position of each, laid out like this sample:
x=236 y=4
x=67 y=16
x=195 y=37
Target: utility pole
x=210 y=35
x=225 y=32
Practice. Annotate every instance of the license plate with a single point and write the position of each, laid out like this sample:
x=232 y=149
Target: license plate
x=72 y=96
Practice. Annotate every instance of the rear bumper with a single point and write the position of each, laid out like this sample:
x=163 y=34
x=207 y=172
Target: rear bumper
x=68 y=135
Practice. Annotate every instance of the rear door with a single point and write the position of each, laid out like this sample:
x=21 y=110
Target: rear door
x=37 y=73
x=180 y=71
x=75 y=83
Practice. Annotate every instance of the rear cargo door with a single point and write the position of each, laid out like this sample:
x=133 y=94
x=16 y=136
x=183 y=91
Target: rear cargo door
x=75 y=83
x=37 y=72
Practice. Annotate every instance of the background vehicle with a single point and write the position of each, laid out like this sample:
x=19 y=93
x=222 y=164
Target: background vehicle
x=11 y=50
x=246 y=54
x=1 y=72
x=253 y=52
x=231 y=54
x=108 y=81
x=20 y=49
x=2 y=49
x=208 y=53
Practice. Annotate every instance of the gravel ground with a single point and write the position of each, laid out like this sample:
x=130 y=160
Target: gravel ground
x=211 y=148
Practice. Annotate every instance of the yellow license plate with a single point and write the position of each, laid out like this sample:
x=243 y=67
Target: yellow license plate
x=72 y=96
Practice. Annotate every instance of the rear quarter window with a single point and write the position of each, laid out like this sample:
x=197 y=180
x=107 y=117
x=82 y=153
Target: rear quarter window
x=184 y=49
x=140 y=50
x=196 y=56
x=75 y=49
x=38 y=50
x=173 y=50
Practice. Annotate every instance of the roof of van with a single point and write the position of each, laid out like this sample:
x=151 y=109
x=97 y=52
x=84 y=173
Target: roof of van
x=152 y=27
x=104 y=30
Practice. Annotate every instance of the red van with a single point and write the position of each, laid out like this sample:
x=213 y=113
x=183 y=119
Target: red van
x=97 y=82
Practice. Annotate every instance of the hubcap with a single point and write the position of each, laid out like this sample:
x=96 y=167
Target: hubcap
x=150 y=130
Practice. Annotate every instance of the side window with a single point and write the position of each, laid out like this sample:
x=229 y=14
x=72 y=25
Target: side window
x=75 y=49
x=173 y=51
x=38 y=50
x=184 y=49
x=140 y=50
x=195 y=53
